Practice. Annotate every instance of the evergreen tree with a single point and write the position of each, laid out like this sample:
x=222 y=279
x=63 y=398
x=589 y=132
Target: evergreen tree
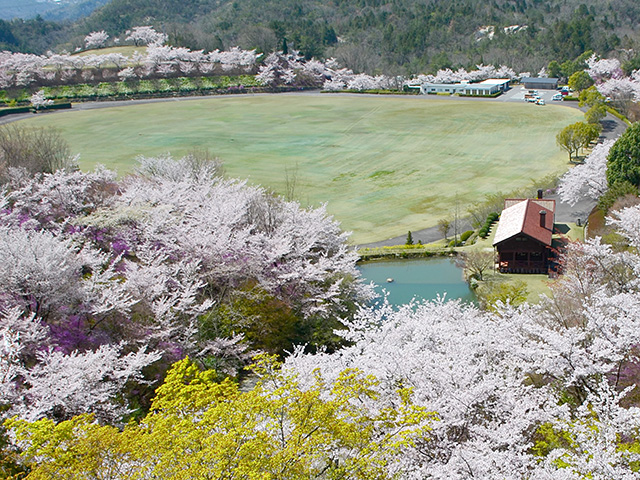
x=623 y=163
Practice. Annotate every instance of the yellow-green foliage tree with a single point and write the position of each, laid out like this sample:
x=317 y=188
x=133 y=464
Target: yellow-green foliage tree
x=491 y=295
x=202 y=429
x=576 y=136
x=596 y=445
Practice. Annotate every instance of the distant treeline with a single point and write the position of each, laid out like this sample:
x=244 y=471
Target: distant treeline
x=376 y=36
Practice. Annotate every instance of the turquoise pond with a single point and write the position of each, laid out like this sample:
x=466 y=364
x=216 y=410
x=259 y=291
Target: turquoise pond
x=422 y=279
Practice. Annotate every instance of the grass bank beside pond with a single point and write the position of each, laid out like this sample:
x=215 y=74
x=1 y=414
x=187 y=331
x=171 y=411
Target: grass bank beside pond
x=534 y=285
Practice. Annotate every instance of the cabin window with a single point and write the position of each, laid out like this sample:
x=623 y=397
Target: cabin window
x=506 y=256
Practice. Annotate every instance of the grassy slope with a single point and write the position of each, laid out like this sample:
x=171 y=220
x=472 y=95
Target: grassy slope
x=384 y=165
x=126 y=50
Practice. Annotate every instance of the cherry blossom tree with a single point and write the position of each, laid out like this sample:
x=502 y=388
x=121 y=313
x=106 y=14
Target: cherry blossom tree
x=602 y=69
x=19 y=70
x=39 y=100
x=21 y=335
x=623 y=91
x=482 y=72
x=588 y=179
x=127 y=73
x=235 y=57
x=334 y=85
x=109 y=267
x=275 y=70
x=96 y=40
x=39 y=380
x=479 y=401
x=64 y=385
x=145 y=35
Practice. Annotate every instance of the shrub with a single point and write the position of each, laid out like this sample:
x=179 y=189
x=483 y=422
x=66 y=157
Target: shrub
x=165 y=85
x=65 y=91
x=23 y=96
x=122 y=88
x=146 y=86
x=84 y=90
x=105 y=90
x=491 y=217
x=34 y=149
x=616 y=191
x=207 y=83
x=187 y=85
x=465 y=236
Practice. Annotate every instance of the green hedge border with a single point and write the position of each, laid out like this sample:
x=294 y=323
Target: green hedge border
x=124 y=90
x=16 y=110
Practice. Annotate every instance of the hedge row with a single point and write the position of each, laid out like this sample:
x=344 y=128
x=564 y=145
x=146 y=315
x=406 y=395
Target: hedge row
x=484 y=231
x=14 y=110
x=56 y=106
x=137 y=88
x=181 y=85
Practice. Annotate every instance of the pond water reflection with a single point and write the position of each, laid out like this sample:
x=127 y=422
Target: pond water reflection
x=422 y=279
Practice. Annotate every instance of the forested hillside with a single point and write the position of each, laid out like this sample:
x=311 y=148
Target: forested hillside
x=50 y=9
x=399 y=36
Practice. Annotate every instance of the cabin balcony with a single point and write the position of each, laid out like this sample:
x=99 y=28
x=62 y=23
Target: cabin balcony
x=523 y=266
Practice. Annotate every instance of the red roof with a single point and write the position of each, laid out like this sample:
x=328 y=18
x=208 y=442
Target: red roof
x=523 y=217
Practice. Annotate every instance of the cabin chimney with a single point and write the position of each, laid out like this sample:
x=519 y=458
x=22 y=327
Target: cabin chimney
x=543 y=218
x=539 y=194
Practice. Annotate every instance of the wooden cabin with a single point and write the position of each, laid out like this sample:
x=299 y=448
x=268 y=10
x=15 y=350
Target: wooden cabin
x=523 y=237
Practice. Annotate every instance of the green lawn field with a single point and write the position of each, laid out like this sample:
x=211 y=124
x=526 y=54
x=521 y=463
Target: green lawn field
x=384 y=165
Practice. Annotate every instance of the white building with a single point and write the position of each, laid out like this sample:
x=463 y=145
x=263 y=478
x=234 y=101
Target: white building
x=485 y=88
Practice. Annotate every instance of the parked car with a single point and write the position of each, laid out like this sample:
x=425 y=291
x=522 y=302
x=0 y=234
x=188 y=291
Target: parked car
x=540 y=101
x=557 y=97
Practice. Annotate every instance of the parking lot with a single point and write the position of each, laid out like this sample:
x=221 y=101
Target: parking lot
x=517 y=93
